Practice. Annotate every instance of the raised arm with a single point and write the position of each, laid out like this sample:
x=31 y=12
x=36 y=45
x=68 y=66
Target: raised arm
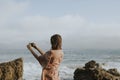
x=31 y=50
x=38 y=49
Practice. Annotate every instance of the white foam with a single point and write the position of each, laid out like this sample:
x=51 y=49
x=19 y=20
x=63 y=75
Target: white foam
x=110 y=65
x=66 y=72
x=32 y=71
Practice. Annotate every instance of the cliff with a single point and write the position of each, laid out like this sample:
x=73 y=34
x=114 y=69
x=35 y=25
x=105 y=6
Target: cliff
x=93 y=71
x=12 y=70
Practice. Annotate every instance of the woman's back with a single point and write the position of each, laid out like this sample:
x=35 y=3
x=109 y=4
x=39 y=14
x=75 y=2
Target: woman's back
x=53 y=58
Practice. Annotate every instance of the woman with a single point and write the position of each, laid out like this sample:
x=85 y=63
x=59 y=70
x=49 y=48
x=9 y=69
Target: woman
x=50 y=60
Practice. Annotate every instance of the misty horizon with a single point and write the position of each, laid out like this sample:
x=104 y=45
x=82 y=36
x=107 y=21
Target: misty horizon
x=82 y=24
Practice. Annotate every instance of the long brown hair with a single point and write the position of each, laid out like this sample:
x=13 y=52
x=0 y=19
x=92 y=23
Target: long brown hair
x=56 y=42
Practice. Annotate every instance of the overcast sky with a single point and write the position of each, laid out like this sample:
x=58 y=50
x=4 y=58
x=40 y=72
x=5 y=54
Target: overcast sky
x=83 y=24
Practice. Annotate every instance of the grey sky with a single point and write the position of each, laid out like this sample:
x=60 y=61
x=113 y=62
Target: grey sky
x=83 y=24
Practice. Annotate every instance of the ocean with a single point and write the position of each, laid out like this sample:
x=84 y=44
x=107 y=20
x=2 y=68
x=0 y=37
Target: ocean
x=72 y=59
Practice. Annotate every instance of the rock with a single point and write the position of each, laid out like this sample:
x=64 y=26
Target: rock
x=91 y=65
x=92 y=71
x=114 y=72
x=12 y=70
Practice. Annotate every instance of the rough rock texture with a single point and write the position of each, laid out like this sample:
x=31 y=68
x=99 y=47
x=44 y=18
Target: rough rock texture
x=93 y=71
x=12 y=70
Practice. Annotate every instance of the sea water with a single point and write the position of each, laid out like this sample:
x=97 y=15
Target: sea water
x=72 y=59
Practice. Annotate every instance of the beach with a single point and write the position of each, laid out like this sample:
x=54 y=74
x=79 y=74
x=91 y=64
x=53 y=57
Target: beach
x=72 y=60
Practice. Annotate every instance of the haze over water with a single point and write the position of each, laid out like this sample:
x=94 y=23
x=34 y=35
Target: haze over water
x=82 y=24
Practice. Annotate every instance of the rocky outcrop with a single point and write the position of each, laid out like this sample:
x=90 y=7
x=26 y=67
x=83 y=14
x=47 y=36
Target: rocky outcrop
x=12 y=70
x=93 y=71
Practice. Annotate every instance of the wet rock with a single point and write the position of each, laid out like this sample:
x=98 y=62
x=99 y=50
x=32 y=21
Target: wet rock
x=12 y=70
x=114 y=72
x=93 y=71
x=92 y=65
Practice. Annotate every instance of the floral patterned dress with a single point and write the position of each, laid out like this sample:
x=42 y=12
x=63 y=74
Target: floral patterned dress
x=50 y=62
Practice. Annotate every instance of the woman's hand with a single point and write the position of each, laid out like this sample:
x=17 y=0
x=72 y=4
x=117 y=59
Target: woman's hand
x=33 y=45
x=29 y=46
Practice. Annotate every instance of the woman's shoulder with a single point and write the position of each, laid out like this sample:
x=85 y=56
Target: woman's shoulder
x=57 y=52
x=51 y=52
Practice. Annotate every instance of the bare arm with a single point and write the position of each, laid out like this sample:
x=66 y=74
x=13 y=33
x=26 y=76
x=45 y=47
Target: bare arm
x=31 y=50
x=38 y=49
